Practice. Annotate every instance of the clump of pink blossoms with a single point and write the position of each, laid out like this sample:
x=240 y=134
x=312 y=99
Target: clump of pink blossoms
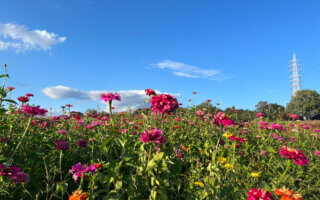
x=32 y=110
x=109 y=97
x=294 y=116
x=163 y=103
x=294 y=154
x=153 y=136
x=79 y=169
x=13 y=173
x=259 y=194
x=221 y=119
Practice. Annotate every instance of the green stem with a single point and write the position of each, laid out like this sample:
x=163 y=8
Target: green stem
x=23 y=135
x=60 y=168
x=286 y=171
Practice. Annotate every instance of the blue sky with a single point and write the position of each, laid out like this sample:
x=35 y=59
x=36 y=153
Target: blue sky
x=233 y=52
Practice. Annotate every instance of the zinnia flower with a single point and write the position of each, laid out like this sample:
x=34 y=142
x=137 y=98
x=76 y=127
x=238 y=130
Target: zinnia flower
x=294 y=116
x=150 y=92
x=317 y=152
x=20 y=177
x=221 y=160
x=228 y=166
x=79 y=169
x=82 y=143
x=78 y=195
x=153 y=136
x=221 y=119
x=163 y=103
x=294 y=154
x=287 y=194
x=11 y=88
x=23 y=99
x=199 y=183
x=61 y=145
x=29 y=95
x=259 y=194
x=255 y=174
x=109 y=97
x=260 y=115
x=32 y=110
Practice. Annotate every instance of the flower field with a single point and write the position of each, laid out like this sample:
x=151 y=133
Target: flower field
x=162 y=152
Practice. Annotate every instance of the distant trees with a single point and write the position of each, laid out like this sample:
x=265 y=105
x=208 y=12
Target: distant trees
x=91 y=111
x=271 y=110
x=208 y=106
x=306 y=104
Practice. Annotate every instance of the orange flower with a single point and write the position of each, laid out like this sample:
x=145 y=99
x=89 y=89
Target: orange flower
x=140 y=123
x=98 y=165
x=184 y=148
x=287 y=194
x=176 y=126
x=78 y=195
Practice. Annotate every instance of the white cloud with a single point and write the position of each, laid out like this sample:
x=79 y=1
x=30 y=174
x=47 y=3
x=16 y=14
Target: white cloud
x=129 y=98
x=184 y=70
x=19 y=38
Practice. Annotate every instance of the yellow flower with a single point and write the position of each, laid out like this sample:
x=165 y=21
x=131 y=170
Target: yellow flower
x=228 y=166
x=255 y=174
x=221 y=160
x=199 y=183
x=227 y=135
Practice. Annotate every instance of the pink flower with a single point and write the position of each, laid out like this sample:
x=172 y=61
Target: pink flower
x=32 y=110
x=317 y=152
x=78 y=170
x=29 y=95
x=235 y=138
x=109 y=97
x=62 y=131
x=294 y=154
x=260 y=115
x=221 y=119
x=259 y=194
x=23 y=99
x=153 y=136
x=200 y=113
x=316 y=130
x=278 y=127
x=20 y=177
x=163 y=103
x=150 y=92
x=294 y=116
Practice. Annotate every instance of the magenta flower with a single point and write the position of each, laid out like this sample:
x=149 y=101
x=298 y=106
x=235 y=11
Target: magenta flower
x=259 y=194
x=150 y=92
x=61 y=145
x=317 y=152
x=78 y=170
x=23 y=99
x=294 y=116
x=62 y=131
x=278 y=127
x=32 y=110
x=153 y=136
x=260 y=115
x=20 y=177
x=109 y=97
x=221 y=119
x=235 y=138
x=163 y=103
x=29 y=95
x=294 y=154
x=82 y=143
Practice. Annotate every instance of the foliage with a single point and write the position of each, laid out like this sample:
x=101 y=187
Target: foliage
x=306 y=104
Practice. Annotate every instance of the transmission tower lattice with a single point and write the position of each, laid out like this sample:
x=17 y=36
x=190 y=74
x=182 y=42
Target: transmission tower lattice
x=295 y=78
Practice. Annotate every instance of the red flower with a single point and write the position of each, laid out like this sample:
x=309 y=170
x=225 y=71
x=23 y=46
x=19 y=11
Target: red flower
x=11 y=88
x=259 y=194
x=23 y=99
x=32 y=110
x=153 y=136
x=163 y=103
x=61 y=145
x=294 y=154
x=150 y=92
x=221 y=119
x=29 y=95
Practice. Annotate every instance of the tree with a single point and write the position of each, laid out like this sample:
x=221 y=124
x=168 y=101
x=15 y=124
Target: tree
x=306 y=104
x=272 y=110
x=208 y=106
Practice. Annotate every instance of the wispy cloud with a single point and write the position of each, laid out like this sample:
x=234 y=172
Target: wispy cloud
x=129 y=98
x=189 y=71
x=20 y=38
